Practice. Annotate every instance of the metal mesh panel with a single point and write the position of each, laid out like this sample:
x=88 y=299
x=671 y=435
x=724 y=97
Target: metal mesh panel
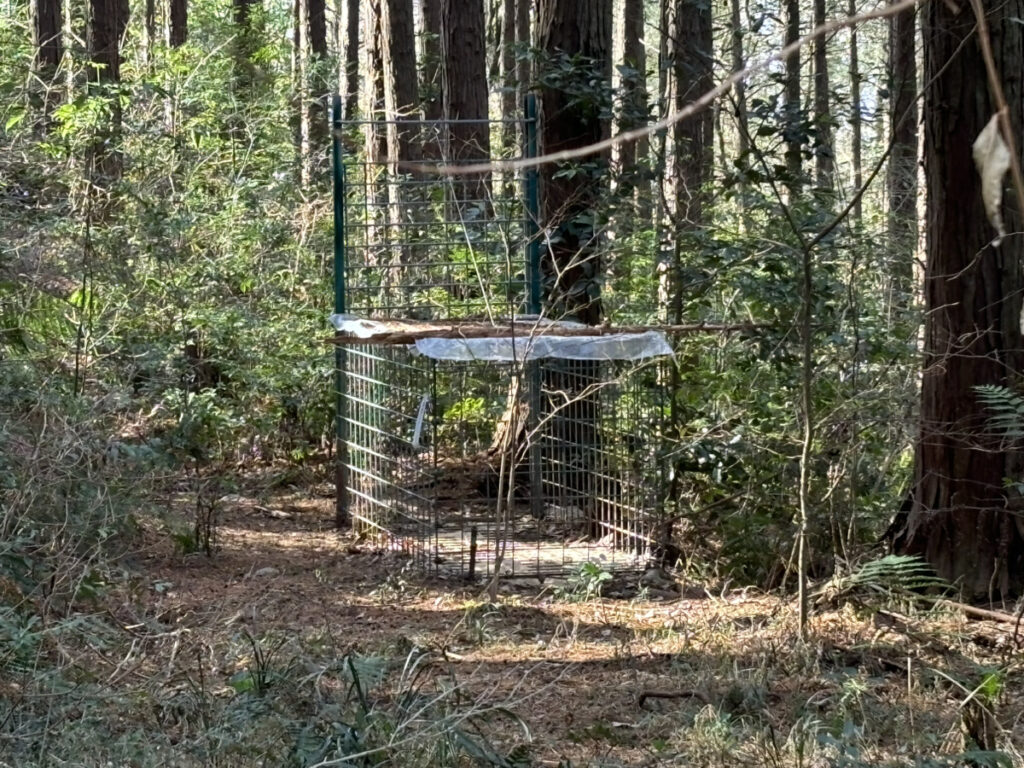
x=424 y=246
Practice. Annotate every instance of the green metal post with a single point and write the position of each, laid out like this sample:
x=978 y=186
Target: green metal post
x=342 y=516
x=533 y=276
x=533 y=301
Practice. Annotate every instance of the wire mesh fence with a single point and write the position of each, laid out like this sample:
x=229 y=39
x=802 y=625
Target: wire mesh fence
x=519 y=466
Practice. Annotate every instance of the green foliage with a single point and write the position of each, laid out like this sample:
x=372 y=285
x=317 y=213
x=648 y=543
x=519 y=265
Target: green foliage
x=888 y=579
x=584 y=584
x=1007 y=409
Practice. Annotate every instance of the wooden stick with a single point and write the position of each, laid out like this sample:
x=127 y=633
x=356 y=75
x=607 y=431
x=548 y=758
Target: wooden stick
x=981 y=613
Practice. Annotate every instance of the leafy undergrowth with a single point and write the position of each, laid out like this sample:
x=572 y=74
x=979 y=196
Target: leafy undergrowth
x=294 y=646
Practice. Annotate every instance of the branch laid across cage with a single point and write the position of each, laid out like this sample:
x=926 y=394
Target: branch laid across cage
x=520 y=337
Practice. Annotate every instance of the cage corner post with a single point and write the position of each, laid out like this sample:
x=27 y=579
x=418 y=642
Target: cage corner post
x=533 y=302
x=342 y=514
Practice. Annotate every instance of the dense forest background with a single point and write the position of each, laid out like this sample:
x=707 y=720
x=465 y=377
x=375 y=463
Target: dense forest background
x=166 y=264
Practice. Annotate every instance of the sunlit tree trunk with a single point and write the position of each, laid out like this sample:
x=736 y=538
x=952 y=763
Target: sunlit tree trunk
x=966 y=520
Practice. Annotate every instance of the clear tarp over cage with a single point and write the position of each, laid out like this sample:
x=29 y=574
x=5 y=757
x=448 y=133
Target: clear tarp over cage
x=533 y=343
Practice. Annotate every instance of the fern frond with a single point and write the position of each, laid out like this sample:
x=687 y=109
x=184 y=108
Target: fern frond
x=1006 y=406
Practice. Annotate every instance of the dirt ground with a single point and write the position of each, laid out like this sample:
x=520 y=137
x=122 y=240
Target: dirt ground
x=662 y=674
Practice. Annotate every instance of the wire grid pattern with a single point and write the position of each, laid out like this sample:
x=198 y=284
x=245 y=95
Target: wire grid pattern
x=428 y=247
x=424 y=463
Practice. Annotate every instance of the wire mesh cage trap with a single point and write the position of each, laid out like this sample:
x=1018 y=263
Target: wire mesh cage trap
x=473 y=437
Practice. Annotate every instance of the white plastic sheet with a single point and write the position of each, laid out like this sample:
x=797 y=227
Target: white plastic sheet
x=619 y=346
x=528 y=346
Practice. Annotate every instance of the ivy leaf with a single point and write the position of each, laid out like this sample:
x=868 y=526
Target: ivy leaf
x=992 y=158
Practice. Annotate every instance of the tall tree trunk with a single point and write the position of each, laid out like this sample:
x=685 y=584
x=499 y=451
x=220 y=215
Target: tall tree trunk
x=376 y=150
x=400 y=90
x=149 y=24
x=350 y=60
x=300 y=89
x=524 y=42
x=316 y=77
x=375 y=108
x=49 y=44
x=824 y=152
x=246 y=42
x=430 y=65
x=739 y=90
x=902 y=171
x=573 y=114
x=792 y=108
x=107 y=22
x=856 y=120
x=634 y=89
x=688 y=164
x=965 y=520
x=464 y=87
x=509 y=106
x=177 y=32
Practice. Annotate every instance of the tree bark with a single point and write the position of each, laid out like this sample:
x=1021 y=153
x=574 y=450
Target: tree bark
x=246 y=42
x=149 y=23
x=351 y=59
x=856 y=120
x=430 y=63
x=107 y=22
x=634 y=89
x=824 y=152
x=792 y=108
x=690 y=55
x=689 y=156
x=464 y=89
x=400 y=90
x=49 y=43
x=524 y=42
x=509 y=107
x=178 y=28
x=739 y=90
x=965 y=520
x=573 y=114
x=300 y=86
x=901 y=174
x=319 y=88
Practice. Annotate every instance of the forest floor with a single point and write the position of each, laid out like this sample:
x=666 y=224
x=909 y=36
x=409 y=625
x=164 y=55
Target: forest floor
x=284 y=601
